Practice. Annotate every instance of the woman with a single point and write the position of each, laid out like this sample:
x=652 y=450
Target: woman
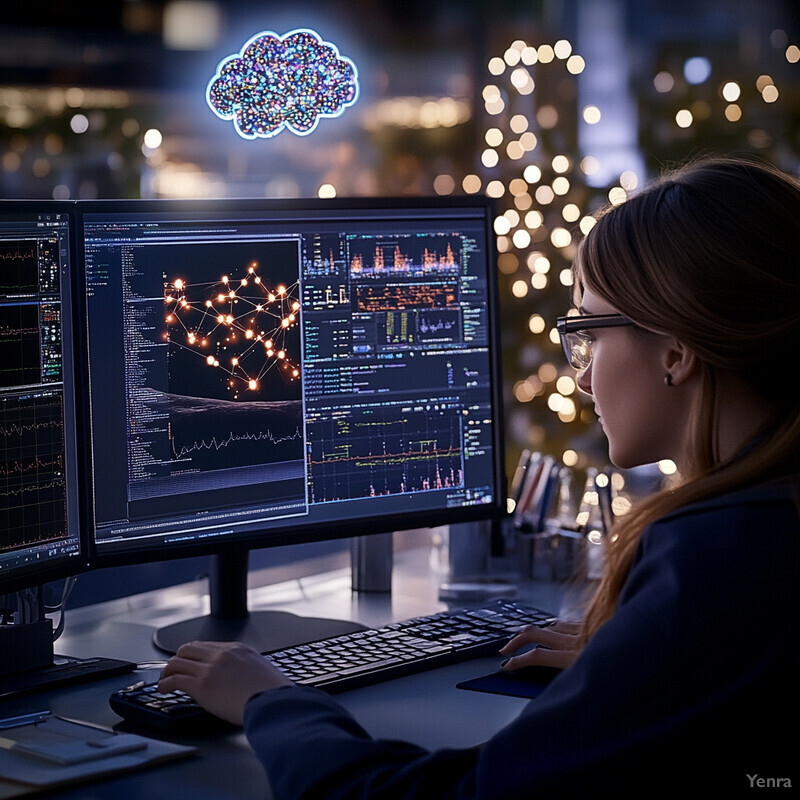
x=683 y=671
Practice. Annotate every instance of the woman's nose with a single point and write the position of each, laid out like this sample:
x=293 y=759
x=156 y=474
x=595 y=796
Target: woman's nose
x=584 y=380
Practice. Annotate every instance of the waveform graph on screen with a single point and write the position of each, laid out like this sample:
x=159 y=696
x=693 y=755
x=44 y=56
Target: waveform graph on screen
x=412 y=256
x=215 y=437
x=32 y=479
x=387 y=451
x=20 y=344
x=19 y=267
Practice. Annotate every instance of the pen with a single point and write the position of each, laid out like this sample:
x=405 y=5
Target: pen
x=24 y=719
x=84 y=723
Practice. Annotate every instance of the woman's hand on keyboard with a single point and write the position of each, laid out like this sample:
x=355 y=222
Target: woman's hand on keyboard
x=220 y=676
x=554 y=646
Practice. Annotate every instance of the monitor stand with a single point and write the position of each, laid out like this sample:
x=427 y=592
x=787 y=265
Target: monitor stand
x=231 y=621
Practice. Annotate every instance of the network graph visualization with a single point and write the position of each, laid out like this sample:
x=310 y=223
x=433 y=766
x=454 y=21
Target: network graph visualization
x=237 y=325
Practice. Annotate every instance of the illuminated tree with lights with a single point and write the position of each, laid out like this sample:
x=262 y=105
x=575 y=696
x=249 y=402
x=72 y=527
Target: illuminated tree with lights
x=533 y=169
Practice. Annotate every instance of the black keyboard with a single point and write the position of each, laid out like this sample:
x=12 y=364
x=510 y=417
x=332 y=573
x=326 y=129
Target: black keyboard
x=403 y=648
x=64 y=670
x=355 y=659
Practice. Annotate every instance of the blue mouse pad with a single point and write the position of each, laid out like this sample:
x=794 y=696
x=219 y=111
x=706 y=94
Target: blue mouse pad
x=527 y=682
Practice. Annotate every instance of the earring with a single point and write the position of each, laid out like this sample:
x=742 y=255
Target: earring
x=668 y=379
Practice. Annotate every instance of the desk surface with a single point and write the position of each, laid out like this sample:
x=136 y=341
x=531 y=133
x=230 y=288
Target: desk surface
x=224 y=766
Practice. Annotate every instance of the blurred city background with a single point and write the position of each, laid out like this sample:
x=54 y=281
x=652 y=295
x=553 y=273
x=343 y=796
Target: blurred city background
x=552 y=107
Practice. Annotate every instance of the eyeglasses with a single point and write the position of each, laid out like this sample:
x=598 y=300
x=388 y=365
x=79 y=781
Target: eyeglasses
x=576 y=340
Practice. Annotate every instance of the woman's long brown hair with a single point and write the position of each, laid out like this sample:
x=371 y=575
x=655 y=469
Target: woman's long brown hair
x=709 y=254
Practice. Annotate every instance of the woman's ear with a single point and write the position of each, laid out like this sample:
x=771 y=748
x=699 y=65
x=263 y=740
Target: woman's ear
x=680 y=363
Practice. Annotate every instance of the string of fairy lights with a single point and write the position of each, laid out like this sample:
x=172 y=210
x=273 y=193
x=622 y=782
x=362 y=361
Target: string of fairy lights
x=544 y=205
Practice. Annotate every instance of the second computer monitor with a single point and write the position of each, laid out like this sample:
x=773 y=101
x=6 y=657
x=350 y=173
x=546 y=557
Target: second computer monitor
x=41 y=536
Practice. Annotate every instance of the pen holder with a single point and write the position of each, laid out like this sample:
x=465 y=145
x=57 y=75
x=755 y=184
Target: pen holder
x=550 y=555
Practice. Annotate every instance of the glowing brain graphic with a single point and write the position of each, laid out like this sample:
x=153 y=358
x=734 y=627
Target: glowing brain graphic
x=282 y=82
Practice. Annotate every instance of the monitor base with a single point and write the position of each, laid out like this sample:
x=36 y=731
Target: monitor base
x=262 y=630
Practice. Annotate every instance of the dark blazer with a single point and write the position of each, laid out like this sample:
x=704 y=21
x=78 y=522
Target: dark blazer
x=691 y=685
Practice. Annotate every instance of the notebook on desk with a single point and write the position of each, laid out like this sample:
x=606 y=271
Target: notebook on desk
x=53 y=751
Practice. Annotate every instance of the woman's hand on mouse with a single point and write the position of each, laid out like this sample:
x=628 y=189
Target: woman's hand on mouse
x=554 y=646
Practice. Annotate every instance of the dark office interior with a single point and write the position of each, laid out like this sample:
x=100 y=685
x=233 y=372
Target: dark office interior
x=549 y=110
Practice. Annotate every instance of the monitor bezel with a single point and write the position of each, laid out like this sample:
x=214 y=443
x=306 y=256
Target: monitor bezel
x=295 y=532
x=37 y=574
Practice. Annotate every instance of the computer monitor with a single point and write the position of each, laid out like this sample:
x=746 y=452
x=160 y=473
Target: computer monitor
x=40 y=483
x=269 y=372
